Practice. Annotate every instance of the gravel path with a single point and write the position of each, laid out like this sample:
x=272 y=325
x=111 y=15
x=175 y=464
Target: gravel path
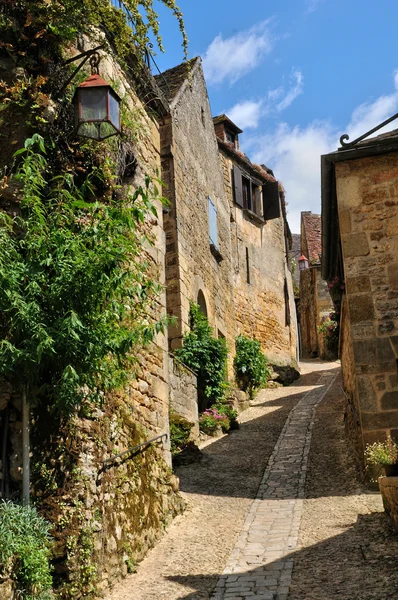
x=186 y=563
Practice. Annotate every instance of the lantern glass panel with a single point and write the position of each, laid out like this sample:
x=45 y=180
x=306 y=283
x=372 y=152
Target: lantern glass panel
x=115 y=111
x=93 y=104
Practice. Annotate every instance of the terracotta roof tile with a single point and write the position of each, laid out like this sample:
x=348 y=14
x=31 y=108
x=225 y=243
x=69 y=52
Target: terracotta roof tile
x=311 y=242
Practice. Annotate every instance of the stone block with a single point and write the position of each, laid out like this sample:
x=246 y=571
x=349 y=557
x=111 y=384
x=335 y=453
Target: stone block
x=380 y=420
x=366 y=394
x=389 y=401
x=348 y=191
x=357 y=285
x=374 y=195
x=392 y=226
x=393 y=276
x=361 y=308
x=355 y=244
x=374 y=351
x=345 y=221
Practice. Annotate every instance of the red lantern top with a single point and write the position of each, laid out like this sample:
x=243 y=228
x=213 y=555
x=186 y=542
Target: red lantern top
x=97 y=110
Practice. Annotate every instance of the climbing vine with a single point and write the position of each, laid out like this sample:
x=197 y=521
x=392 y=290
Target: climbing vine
x=75 y=293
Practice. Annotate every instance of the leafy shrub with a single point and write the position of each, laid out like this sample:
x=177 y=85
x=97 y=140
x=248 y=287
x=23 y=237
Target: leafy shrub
x=211 y=420
x=25 y=550
x=207 y=356
x=180 y=430
x=250 y=365
x=382 y=453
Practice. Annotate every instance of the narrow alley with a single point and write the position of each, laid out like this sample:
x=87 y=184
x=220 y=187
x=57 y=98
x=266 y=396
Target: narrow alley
x=276 y=511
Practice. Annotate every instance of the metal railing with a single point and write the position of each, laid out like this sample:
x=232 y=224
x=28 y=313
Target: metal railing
x=133 y=450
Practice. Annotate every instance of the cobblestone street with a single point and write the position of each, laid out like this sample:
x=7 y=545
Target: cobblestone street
x=276 y=511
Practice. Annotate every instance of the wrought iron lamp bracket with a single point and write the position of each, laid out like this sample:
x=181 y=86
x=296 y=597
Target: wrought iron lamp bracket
x=346 y=145
x=94 y=62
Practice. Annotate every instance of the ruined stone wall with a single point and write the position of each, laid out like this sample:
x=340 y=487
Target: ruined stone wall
x=107 y=519
x=367 y=193
x=183 y=392
x=260 y=270
x=191 y=170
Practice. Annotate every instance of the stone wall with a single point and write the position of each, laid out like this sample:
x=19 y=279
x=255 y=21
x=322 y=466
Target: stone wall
x=183 y=392
x=315 y=306
x=191 y=171
x=107 y=519
x=260 y=270
x=367 y=193
x=350 y=382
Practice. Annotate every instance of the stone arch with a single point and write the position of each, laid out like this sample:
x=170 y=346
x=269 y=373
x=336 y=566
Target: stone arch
x=201 y=301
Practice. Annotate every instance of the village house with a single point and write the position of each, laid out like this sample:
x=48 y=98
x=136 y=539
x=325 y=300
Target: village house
x=260 y=237
x=315 y=300
x=360 y=248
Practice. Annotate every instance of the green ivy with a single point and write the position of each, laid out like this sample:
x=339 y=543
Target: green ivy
x=207 y=356
x=250 y=365
x=75 y=293
x=180 y=431
x=25 y=551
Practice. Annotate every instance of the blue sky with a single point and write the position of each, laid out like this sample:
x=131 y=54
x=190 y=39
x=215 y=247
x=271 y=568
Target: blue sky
x=294 y=75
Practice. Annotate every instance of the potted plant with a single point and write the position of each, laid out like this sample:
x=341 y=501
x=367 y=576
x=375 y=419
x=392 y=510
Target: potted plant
x=385 y=455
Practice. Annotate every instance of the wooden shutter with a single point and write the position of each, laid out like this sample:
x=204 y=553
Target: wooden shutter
x=237 y=185
x=271 y=202
x=257 y=201
x=213 y=232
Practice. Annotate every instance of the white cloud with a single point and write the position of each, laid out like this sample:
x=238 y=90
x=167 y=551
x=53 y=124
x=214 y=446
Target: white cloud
x=294 y=153
x=312 y=5
x=294 y=91
x=246 y=114
x=233 y=57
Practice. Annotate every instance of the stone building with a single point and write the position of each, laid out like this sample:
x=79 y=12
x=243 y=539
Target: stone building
x=315 y=300
x=197 y=223
x=260 y=238
x=360 y=246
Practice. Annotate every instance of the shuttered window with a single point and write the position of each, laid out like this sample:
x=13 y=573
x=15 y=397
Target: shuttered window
x=213 y=232
x=271 y=201
x=237 y=185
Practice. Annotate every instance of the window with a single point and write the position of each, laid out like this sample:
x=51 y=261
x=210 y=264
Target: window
x=247 y=193
x=262 y=200
x=213 y=232
x=230 y=137
x=271 y=202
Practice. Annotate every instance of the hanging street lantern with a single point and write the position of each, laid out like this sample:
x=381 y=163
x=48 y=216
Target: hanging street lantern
x=97 y=106
x=303 y=262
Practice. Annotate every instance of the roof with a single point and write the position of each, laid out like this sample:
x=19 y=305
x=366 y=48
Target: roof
x=171 y=81
x=311 y=241
x=242 y=159
x=378 y=145
x=224 y=119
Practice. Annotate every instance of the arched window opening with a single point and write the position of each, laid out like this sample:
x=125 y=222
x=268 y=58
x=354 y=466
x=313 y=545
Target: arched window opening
x=202 y=303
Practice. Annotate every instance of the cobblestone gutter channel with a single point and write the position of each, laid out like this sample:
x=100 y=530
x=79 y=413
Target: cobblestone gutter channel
x=257 y=567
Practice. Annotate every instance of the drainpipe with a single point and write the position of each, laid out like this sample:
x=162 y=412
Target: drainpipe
x=25 y=449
